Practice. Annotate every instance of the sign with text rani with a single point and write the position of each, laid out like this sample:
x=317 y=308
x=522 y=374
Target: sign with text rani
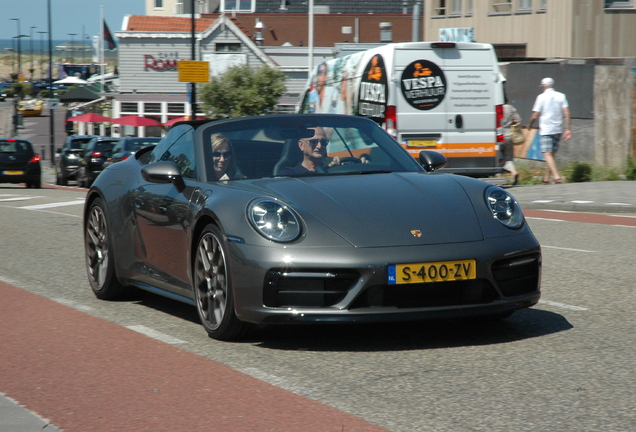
x=193 y=71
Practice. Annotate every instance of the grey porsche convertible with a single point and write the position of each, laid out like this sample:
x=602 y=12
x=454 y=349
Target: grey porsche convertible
x=305 y=218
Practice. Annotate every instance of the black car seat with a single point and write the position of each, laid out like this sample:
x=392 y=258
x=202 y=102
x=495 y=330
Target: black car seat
x=290 y=156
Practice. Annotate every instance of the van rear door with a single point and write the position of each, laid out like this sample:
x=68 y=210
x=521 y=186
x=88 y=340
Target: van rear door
x=448 y=94
x=420 y=109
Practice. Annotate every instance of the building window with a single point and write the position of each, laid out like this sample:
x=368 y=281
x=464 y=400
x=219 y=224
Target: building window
x=244 y=6
x=618 y=3
x=498 y=6
x=439 y=7
x=129 y=107
x=469 y=7
x=456 y=7
x=176 y=108
x=227 y=47
x=152 y=107
x=158 y=4
x=525 y=5
x=542 y=5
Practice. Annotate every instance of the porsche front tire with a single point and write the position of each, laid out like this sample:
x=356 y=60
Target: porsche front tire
x=213 y=287
x=100 y=262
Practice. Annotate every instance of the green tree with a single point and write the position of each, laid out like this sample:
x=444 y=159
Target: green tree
x=242 y=91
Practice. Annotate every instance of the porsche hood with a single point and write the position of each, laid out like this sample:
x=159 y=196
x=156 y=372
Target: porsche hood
x=383 y=210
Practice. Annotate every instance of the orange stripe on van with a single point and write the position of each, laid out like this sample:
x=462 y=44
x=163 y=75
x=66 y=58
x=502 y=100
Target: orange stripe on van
x=458 y=149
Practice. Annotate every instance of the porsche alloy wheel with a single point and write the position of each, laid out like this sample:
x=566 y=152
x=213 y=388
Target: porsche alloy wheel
x=213 y=287
x=99 y=255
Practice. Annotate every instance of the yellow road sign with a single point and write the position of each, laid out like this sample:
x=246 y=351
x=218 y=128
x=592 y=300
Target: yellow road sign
x=193 y=71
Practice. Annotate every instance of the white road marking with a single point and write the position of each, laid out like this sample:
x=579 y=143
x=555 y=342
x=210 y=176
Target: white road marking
x=543 y=201
x=582 y=202
x=618 y=204
x=52 y=205
x=624 y=226
x=545 y=219
x=569 y=249
x=22 y=198
x=275 y=380
x=74 y=304
x=8 y=281
x=562 y=305
x=156 y=335
x=44 y=211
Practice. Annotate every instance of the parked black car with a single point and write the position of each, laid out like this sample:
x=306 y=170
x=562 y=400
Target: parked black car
x=19 y=163
x=68 y=158
x=97 y=151
x=127 y=147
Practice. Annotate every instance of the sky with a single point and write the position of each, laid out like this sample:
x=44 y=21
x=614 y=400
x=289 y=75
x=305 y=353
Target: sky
x=67 y=16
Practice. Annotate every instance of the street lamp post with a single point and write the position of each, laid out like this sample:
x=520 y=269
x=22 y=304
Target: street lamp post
x=42 y=33
x=19 y=47
x=31 y=41
x=72 y=35
x=52 y=111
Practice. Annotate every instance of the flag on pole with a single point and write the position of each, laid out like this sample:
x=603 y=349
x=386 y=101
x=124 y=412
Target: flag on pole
x=108 y=37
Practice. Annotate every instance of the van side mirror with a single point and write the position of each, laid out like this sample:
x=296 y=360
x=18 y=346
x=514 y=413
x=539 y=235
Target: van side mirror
x=431 y=161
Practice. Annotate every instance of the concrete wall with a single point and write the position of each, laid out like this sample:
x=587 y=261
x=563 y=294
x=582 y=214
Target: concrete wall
x=613 y=87
x=602 y=98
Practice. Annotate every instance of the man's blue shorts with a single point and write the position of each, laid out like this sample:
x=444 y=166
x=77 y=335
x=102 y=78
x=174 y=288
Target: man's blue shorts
x=550 y=143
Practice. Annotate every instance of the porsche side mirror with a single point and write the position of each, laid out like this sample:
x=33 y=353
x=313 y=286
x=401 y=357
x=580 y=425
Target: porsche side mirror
x=431 y=161
x=164 y=172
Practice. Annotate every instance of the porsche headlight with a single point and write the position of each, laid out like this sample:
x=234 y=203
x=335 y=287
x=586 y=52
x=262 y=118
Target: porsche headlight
x=504 y=207
x=273 y=220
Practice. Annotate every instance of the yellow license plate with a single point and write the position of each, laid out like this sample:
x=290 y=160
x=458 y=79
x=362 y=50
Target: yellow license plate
x=441 y=271
x=10 y=172
x=422 y=143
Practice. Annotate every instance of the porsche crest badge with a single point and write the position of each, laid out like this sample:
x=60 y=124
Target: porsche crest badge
x=416 y=233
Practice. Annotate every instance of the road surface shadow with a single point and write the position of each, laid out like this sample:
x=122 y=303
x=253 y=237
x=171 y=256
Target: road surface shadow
x=524 y=324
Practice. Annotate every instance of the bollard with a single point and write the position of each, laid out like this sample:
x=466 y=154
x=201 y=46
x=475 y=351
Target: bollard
x=43 y=155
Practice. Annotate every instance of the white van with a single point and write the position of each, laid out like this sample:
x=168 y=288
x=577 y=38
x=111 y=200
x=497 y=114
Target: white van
x=443 y=96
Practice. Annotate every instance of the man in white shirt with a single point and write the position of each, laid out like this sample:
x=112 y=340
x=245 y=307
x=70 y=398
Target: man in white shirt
x=553 y=112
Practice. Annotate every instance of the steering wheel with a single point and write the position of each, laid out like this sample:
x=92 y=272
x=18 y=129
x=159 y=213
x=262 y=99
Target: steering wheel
x=349 y=160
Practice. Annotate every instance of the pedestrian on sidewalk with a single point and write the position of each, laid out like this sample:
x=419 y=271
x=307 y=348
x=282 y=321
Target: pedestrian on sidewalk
x=510 y=116
x=552 y=109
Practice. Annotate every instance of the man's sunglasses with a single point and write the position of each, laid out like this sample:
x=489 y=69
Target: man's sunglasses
x=314 y=141
x=226 y=154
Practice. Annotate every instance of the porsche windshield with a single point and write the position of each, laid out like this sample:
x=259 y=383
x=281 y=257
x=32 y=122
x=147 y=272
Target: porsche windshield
x=300 y=145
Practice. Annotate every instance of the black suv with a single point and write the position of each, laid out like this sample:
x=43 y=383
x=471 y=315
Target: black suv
x=68 y=158
x=97 y=151
x=128 y=146
x=19 y=163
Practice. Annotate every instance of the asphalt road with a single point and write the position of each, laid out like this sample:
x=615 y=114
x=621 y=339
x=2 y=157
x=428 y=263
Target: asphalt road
x=567 y=364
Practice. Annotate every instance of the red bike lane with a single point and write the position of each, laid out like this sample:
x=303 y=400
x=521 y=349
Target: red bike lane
x=84 y=373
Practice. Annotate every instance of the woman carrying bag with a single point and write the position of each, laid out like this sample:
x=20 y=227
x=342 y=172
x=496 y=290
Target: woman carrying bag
x=513 y=135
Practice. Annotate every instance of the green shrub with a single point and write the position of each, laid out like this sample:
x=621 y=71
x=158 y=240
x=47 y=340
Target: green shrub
x=580 y=172
x=630 y=173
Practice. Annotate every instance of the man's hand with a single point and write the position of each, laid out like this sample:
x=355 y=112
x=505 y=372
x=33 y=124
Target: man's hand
x=567 y=135
x=334 y=161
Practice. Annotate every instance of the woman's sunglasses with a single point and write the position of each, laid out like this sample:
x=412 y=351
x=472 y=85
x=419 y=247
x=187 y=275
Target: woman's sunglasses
x=226 y=154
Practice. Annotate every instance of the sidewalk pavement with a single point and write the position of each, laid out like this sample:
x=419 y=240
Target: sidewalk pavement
x=591 y=197
x=15 y=418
